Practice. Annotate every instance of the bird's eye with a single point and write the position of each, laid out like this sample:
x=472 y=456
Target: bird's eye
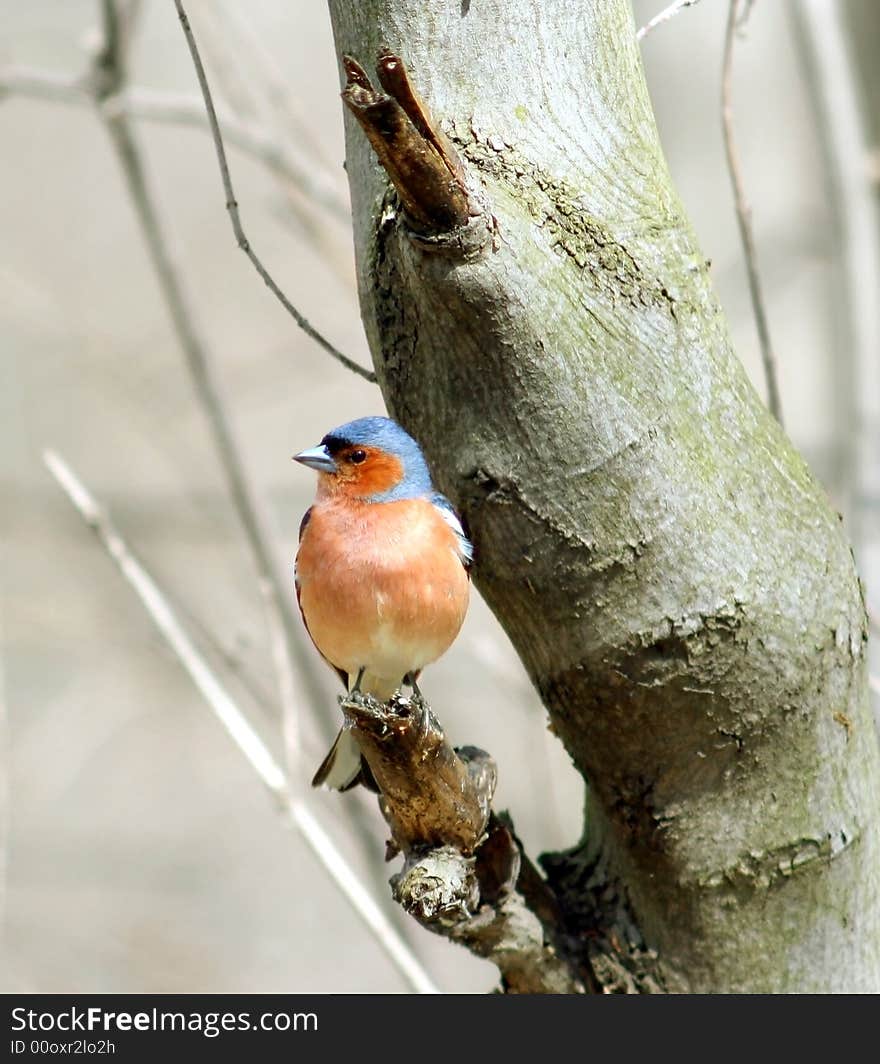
x=356 y=457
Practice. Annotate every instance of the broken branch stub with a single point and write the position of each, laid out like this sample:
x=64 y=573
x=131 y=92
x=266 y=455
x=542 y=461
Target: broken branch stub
x=464 y=874
x=394 y=78
x=483 y=904
x=431 y=797
x=419 y=159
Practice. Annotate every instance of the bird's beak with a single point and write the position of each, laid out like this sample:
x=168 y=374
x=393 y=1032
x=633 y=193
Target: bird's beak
x=317 y=458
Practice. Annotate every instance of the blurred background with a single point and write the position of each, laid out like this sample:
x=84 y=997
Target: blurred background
x=141 y=853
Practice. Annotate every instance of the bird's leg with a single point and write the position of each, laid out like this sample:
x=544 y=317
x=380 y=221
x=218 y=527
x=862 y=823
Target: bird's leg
x=410 y=681
x=356 y=686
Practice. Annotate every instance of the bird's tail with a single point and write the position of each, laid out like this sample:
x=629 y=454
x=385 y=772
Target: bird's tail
x=341 y=768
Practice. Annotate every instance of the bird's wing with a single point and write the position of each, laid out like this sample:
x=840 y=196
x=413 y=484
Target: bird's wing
x=447 y=512
x=341 y=673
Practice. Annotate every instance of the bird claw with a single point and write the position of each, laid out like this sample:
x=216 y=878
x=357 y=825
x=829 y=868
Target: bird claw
x=367 y=705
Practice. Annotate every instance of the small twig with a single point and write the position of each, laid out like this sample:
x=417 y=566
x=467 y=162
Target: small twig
x=39 y=84
x=115 y=36
x=223 y=52
x=209 y=392
x=170 y=108
x=360 y=812
x=174 y=109
x=43 y=85
x=290 y=724
x=664 y=16
x=229 y=662
x=224 y=40
x=303 y=190
x=744 y=211
x=845 y=130
x=274 y=87
x=237 y=726
x=232 y=208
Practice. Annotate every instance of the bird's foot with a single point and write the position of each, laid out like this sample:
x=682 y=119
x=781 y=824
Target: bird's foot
x=356 y=698
x=354 y=694
x=364 y=705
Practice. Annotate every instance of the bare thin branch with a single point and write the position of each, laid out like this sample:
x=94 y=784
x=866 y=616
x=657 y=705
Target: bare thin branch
x=831 y=65
x=262 y=69
x=303 y=188
x=248 y=76
x=664 y=16
x=114 y=28
x=237 y=725
x=359 y=816
x=115 y=110
x=744 y=211
x=215 y=407
x=178 y=109
x=284 y=627
x=43 y=85
x=287 y=687
x=232 y=208
x=223 y=53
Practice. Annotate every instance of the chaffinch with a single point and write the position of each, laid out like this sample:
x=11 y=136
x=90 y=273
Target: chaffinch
x=381 y=570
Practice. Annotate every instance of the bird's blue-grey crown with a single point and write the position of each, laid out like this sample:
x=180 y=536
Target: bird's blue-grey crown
x=388 y=436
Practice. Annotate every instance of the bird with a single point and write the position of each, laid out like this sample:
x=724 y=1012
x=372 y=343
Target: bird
x=382 y=570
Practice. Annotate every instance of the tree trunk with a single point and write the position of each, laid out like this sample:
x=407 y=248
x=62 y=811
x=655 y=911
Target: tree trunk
x=668 y=570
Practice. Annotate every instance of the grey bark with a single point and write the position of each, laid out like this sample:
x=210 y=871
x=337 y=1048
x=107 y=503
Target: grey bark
x=667 y=568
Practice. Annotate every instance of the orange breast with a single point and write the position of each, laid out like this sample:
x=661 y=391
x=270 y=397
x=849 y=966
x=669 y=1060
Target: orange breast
x=381 y=587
